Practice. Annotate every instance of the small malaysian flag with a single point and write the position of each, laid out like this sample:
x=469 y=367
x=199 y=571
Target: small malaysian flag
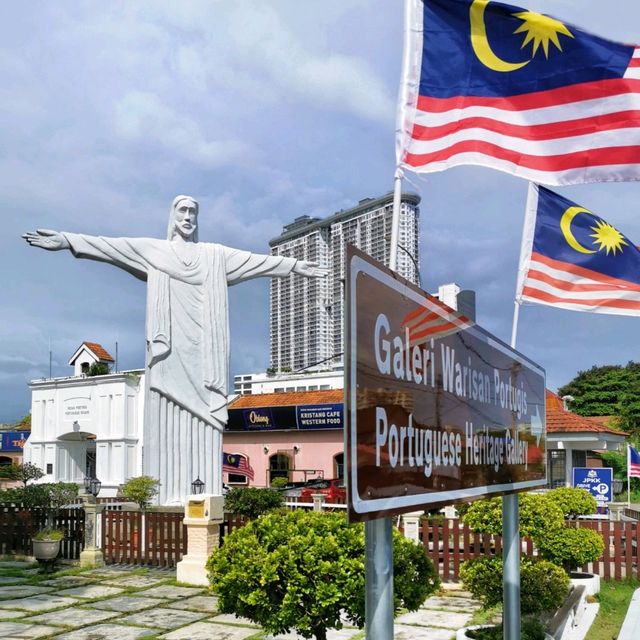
x=633 y=463
x=572 y=258
x=236 y=463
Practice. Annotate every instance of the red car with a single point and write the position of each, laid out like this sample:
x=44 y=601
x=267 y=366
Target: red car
x=334 y=489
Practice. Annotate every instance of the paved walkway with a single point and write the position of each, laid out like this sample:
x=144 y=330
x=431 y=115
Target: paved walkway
x=124 y=603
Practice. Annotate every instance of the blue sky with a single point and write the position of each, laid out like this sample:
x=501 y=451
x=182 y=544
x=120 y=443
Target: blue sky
x=264 y=111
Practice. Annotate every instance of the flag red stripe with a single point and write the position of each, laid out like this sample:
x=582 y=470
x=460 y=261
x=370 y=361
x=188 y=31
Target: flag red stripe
x=549 y=298
x=569 y=286
x=562 y=162
x=551 y=131
x=536 y=100
x=607 y=281
x=634 y=62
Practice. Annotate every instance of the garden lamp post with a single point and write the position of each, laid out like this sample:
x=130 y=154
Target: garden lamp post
x=91 y=555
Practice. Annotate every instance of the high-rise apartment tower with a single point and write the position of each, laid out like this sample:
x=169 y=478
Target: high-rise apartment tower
x=307 y=314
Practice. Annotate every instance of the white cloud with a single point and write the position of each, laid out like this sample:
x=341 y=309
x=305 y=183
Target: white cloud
x=142 y=116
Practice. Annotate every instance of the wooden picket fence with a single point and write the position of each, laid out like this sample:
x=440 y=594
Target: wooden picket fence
x=18 y=524
x=155 y=538
x=448 y=543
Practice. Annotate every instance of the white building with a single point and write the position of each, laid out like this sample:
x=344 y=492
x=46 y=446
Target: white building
x=257 y=383
x=88 y=425
x=307 y=314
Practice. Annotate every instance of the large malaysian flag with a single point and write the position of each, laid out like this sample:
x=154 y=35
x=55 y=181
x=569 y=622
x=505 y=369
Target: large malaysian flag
x=490 y=84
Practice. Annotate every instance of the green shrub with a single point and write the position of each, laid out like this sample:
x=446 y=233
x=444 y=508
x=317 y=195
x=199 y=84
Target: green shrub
x=571 y=548
x=538 y=515
x=140 y=490
x=302 y=570
x=574 y=502
x=279 y=482
x=252 y=502
x=543 y=585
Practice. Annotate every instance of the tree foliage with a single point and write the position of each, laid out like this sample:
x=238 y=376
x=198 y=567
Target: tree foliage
x=140 y=490
x=305 y=570
x=611 y=390
x=98 y=369
x=24 y=472
x=252 y=502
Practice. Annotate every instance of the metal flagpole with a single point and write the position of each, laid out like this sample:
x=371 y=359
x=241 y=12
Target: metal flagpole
x=628 y=477
x=378 y=540
x=378 y=533
x=510 y=508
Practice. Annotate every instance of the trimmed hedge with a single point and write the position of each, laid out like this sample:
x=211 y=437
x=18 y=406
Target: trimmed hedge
x=305 y=570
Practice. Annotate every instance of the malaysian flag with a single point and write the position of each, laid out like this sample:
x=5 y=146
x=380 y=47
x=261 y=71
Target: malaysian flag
x=490 y=84
x=236 y=463
x=572 y=258
x=633 y=463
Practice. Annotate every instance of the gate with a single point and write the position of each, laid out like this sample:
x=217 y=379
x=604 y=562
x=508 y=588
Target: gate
x=154 y=538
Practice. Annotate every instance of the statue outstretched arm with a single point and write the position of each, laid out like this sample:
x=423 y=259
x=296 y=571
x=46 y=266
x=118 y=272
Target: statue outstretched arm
x=46 y=239
x=127 y=253
x=244 y=265
x=309 y=269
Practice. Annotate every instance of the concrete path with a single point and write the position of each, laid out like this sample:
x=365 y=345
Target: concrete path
x=122 y=603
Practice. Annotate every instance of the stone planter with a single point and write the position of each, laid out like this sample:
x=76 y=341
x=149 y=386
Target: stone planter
x=591 y=582
x=46 y=549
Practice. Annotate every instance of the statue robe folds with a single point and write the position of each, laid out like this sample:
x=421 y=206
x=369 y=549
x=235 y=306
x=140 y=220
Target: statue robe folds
x=187 y=364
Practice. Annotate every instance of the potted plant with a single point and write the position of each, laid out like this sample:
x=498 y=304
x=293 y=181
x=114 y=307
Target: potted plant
x=141 y=490
x=46 y=544
x=52 y=498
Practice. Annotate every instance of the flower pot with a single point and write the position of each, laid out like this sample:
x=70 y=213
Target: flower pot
x=591 y=582
x=46 y=549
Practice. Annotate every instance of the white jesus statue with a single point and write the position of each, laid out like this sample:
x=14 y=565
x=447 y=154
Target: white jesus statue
x=187 y=334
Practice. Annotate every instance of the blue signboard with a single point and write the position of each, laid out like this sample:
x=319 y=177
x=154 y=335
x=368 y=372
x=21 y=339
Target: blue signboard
x=13 y=440
x=323 y=416
x=598 y=482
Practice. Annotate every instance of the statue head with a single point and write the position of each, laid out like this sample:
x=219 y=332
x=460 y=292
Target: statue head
x=183 y=218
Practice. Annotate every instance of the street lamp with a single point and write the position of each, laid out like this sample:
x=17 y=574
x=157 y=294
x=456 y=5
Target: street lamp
x=197 y=486
x=92 y=486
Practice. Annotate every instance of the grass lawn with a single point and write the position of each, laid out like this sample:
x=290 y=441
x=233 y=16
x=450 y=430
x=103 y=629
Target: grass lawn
x=614 y=600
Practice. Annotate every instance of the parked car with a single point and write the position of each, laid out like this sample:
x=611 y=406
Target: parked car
x=333 y=488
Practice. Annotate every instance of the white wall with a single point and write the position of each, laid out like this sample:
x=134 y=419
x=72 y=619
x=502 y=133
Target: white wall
x=70 y=414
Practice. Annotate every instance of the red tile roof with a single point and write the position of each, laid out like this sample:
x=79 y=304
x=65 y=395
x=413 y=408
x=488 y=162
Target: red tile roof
x=559 y=420
x=99 y=350
x=287 y=399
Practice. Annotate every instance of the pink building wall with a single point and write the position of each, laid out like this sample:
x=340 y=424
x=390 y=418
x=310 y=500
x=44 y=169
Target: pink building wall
x=316 y=450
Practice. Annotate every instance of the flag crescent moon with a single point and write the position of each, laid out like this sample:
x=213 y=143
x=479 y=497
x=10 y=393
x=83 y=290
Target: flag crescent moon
x=565 y=227
x=480 y=42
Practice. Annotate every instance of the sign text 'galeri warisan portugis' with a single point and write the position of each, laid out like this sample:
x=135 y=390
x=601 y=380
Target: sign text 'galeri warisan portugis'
x=439 y=410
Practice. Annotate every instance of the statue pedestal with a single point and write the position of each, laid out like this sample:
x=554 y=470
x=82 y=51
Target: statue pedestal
x=203 y=515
